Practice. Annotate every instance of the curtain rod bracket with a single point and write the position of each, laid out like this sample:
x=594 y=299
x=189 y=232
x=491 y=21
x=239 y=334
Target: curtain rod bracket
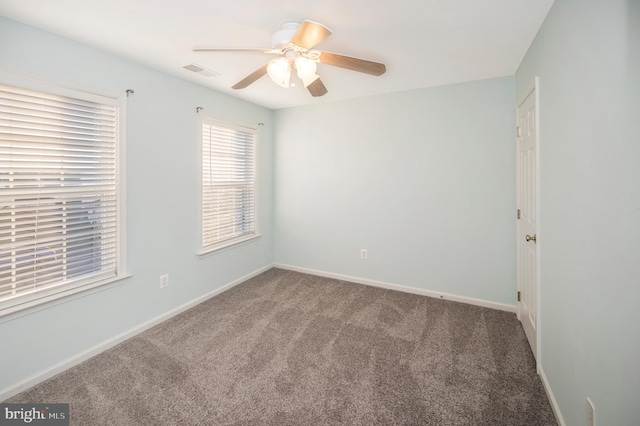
x=198 y=109
x=130 y=92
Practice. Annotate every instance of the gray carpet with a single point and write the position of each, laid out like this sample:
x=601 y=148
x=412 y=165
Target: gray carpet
x=286 y=348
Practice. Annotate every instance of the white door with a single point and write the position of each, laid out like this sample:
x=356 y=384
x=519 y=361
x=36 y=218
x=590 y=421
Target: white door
x=526 y=222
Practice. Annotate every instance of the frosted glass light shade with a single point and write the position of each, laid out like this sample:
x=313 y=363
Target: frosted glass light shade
x=306 y=69
x=279 y=71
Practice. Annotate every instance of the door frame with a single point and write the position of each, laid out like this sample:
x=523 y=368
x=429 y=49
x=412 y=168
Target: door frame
x=536 y=91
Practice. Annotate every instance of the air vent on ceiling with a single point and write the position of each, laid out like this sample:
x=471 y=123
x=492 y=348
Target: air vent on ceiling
x=201 y=70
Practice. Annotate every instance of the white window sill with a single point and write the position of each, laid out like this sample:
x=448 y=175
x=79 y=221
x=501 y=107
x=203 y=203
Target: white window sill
x=226 y=245
x=16 y=311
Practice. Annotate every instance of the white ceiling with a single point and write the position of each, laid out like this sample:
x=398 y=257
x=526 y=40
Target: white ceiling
x=423 y=43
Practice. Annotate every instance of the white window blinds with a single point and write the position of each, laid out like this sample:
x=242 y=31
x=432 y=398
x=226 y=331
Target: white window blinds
x=228 y=184
x=58 y=192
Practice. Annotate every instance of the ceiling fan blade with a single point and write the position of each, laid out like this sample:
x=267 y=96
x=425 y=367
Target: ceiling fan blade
x=251 y=77
x=354 y=64
x=231 y=49
x=309 y=34
x=317 y=88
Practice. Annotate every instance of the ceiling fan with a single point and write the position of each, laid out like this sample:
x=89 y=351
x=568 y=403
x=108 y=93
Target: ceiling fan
x=293 y=44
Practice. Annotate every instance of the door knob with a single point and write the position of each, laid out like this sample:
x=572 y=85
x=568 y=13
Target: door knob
x=530 y=238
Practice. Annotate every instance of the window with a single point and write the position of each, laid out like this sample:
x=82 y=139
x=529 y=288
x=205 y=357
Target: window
x=228 y=203
x=58 y=195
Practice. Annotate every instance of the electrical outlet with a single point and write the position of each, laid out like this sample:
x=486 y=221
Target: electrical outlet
x=364 y=255
x=164 y=280
x=591 y=413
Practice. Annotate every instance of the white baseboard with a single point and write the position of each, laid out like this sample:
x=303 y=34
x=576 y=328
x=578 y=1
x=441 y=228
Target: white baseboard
x=552 y=399
x=403 y=288
x=34 y=379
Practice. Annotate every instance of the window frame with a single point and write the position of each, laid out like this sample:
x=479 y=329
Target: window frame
x=203 y=250
x=51 y=296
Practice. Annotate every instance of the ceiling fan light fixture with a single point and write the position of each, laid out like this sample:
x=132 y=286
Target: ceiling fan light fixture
x=279 y=71
x=305 y=67
x=295 y=43
x=306 y=70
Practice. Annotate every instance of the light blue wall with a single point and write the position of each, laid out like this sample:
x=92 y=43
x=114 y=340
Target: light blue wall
x=587 y=55
x=162 y=155
x=424 y=180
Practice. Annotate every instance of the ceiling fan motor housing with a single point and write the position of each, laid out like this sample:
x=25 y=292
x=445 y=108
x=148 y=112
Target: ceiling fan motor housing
x=282 y=37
